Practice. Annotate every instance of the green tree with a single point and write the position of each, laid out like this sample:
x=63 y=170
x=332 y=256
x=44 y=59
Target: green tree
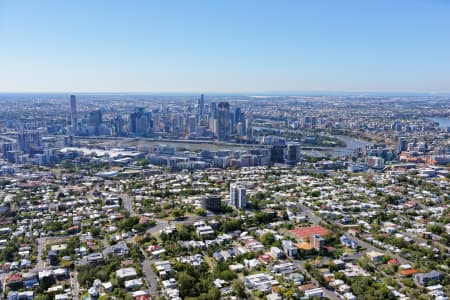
x=227 y=275
x=238 y=289
x=268 y=239
x=178 y=214
x=185 y=283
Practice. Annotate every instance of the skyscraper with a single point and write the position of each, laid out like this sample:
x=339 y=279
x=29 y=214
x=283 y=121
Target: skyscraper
x=118 y=126
x=95 y=121
x=238 y=118
x=402 y=144
x=238 y=115
x=293 y=153
x=6 y=147
x=201 y=105
x=238 y=196
x=140 y=122
x=213 y=110
x=223 y=128
x=73 y=114
x=191 y=124
x=29 y=141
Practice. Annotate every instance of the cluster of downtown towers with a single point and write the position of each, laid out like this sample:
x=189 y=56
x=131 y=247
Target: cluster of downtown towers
x=213 y=120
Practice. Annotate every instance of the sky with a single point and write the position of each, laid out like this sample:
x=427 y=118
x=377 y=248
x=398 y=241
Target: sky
x=232 y=46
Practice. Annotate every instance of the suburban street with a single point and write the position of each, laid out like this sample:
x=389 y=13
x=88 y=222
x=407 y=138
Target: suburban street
x=40 y=250
x=328 y=293
x=127 y=203
x=74 y=284
x=316 y=220
x=150 y=276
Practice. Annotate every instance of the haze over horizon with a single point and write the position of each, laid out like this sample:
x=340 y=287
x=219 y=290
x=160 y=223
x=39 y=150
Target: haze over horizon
x=230 y=47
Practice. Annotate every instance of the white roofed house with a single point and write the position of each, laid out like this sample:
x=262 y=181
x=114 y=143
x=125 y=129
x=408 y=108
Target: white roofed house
x=126 y=273
x=203 y=231
x=133 y=283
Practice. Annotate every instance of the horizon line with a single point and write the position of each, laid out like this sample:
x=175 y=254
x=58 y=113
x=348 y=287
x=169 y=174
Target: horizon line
x=256 y=93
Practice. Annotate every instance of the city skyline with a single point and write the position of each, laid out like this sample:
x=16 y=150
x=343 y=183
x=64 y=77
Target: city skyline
x=251 y=47
x=224 y=150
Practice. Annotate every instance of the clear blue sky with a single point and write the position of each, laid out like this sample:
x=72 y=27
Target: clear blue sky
x=224 y=46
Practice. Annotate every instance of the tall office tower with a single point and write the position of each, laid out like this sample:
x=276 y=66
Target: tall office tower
x=6 y=147
x=140 y=122
x=191 y=124
x=181 y=123
x=118 y=126
x=293 y=153
x=213 y=110
x=277 y=153
x=396 y=126
x=68 y=141
x=156 y=118
x=402 y=144
x=29 y=141
x=73 y=114
x=95 y=121
x=238 y=118
x=240 y=129
x=223 y=128
x=238 y=196
x=201 y=105
x=307 y=121
x=238 y=115
x=248 y=127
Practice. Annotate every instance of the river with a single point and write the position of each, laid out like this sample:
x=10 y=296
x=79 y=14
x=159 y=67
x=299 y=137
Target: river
x=351 y=145
x=443 y=122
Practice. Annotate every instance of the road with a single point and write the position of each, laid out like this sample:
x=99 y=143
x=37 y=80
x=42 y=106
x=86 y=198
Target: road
x=74 y=285
x=161 y=223
x=316 y=220
x=420 y=240
x=150 y=277
x=40 y=264
x=310 y=214
x=371 y=247
x=127 y=204
x=3 y=277
x=328 y=293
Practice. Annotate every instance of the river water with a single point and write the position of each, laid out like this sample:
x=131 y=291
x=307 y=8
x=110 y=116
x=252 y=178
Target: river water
x=443 y=122
x=351 y=145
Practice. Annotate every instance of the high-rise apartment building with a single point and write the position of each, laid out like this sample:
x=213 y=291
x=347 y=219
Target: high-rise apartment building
x=213 y=110
x=6 y=147
x=118 y=126
x=211 y=202
x=293 y=153
x=95 y=121
x=140 y=122
x=223 y=127
x=402 y=144
x=317 y=241
x=238 y=196
x=201 y=105
x=73 y=114
x=29 y=141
